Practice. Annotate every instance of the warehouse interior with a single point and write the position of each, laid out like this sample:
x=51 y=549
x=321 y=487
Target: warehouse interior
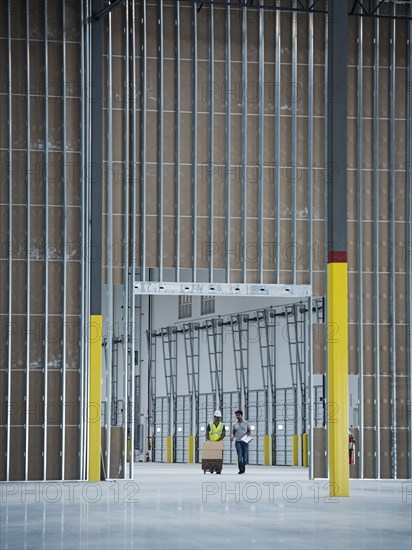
x=205 y=206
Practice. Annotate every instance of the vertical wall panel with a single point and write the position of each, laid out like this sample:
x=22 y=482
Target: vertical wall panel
x=36 y=242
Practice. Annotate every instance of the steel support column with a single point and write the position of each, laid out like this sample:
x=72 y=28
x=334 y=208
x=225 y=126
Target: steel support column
x=360 y=249
x=392 y=245
x=95 y=266
x=337 y=248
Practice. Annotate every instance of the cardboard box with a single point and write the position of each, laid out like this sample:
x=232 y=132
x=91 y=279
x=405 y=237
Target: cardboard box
x=212 y=450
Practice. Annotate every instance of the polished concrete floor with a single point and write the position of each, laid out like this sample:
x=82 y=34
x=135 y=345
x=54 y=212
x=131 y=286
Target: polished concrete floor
x=177 y=506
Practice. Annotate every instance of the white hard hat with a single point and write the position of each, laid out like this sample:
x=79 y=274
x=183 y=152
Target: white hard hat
x=218 y=413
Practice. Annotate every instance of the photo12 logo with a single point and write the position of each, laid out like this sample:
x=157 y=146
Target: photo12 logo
x=268 y=492
x=69 y=491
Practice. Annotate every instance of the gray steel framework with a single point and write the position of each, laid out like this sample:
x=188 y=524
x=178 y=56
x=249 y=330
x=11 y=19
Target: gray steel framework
x=240 y=338
x=266 y=320
x=169 y=342
x=239 y=326
x=295 y=316
x=192 y=354
x=214 y=335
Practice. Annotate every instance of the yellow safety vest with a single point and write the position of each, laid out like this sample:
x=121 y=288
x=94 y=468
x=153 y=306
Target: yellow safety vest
x=215 y=432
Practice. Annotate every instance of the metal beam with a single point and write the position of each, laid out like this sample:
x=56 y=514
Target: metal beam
x=222 y=289
x=96 y=206
x=244 y=146
x=360 y=251
x=392 y=247
x=211 y=139
x=28 y=237
x=228 y=135
x=46 y=236
x=177 y=143
x=10 y=238
x=160 y=137
x=194 y=143
x=376 y=285
x=108 y=9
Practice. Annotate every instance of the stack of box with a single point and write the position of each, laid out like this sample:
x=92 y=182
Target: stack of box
x=212 y=456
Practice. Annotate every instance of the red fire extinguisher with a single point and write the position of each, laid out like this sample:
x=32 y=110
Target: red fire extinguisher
x=351 y=449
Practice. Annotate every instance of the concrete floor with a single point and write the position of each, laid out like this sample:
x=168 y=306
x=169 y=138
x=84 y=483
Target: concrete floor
x=177 y=506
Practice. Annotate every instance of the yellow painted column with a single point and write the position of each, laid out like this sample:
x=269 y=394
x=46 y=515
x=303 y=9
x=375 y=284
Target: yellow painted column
x=191 y=449
x=295 y=450
x=95 y=397
x=304 y=450
x=267 y=450
x=338 y=420
x=169 y=449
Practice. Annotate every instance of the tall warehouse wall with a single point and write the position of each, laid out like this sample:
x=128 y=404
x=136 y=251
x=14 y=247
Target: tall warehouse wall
x=214 y=159
x=41 y=241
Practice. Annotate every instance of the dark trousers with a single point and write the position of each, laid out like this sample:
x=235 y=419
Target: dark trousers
x=242 y=450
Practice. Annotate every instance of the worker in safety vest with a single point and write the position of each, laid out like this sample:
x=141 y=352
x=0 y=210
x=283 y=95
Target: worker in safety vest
x=216 y=431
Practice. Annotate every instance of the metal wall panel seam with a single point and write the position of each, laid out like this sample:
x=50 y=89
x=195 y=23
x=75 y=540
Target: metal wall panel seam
x=28 y=237
x=309 y=336
x=84 y=359
x=244 y=145
x=376 y=249
x=133 y=240
x=409 y=240
x=294 y=137
x=83 y=164
x=10 y=251
x=194 y=142
x=88 y=229
x=46 y=237
x=278 y=38
x=261 y=139
x=143 y=146
x=228 y=135
x=109 y=291
x=64 y=283
x=126 y=139
x=325 y=240
x=310 y=147
x=211 y=139
x=360 y=249
x=160 y=133
x=392 y=306
x=177 y=144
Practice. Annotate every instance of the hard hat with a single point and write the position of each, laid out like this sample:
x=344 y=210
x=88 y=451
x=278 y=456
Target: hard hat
x=218 y=413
